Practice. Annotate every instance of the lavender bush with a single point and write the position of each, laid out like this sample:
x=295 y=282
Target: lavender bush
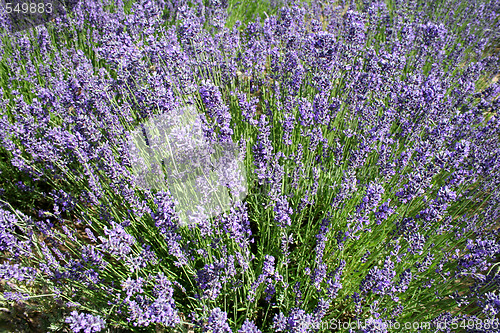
x=367 y=134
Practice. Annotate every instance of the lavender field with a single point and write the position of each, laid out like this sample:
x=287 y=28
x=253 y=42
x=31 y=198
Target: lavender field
x=251 y=167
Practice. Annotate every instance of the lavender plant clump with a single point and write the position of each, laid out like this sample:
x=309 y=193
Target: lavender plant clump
x=340 y=164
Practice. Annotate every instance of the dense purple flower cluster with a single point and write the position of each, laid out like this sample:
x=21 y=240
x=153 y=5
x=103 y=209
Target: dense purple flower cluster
x=118 y=242
x=144 y=311
x=370 y=136
x=217 y=322
x=249 y=327
x=85 y=322
x=297 y=321
x=8 y=240
x=16 y=272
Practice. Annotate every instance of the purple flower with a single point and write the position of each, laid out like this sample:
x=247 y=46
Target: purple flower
x=162 y=310
x=217 y=322
x=362 y=98
x=90 y=235
x=479 y=251
x=319 y=275
x=118 y=242
x=432 y=34
x=373 y=196
x=404 y=281
x=491 y=304
x=286 y=241
x=306 y=112
x=248 y=108
x=263 y=149
x=288 y=122
x=217 y=110
x=384 y=211
x=269 y=274
x=355 y=28
x=64 y=200
x=15 y=296
x=93 y=256
x=237 y=225
x=425 y=264
x=145 y=258
x=297 y=322
x=379 y=281
x=268 y=266
x=249 y=327
x=85 y=322
x=283 y=212
x=8 y=236
x=416 y=242
x=133 y=287
x=17 y=272
x=165 y=219
x=209 y=280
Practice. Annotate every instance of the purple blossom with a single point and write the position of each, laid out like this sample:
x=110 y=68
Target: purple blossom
x=249 y=327
x=268 y=266
x=333 y=281
x=248 y=108
x=270 y=276
x=16 y=296
x=478 y=253
x=263 y=149
x=237 y=225
x=9 y=240
x=17 y=272
x=288 y=124
x=118 y=242
x=384 y=211
x=166 y=221
x=145 y=258
x=217 y=322
x=490 y=305
x=212 y=98
x=93 y=256
x=379 y=280
x=416 y=242
x=319 y=275
x=298 y=321
x=283 y=212
x=85 y=322
x=133 y=287
x=90 y=235
x=209 y=280
x=404 y=281
x=373 y=196
x=162 y=310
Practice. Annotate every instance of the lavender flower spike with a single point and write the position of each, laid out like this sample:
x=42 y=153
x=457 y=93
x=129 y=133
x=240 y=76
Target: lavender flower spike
x=85 y=322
